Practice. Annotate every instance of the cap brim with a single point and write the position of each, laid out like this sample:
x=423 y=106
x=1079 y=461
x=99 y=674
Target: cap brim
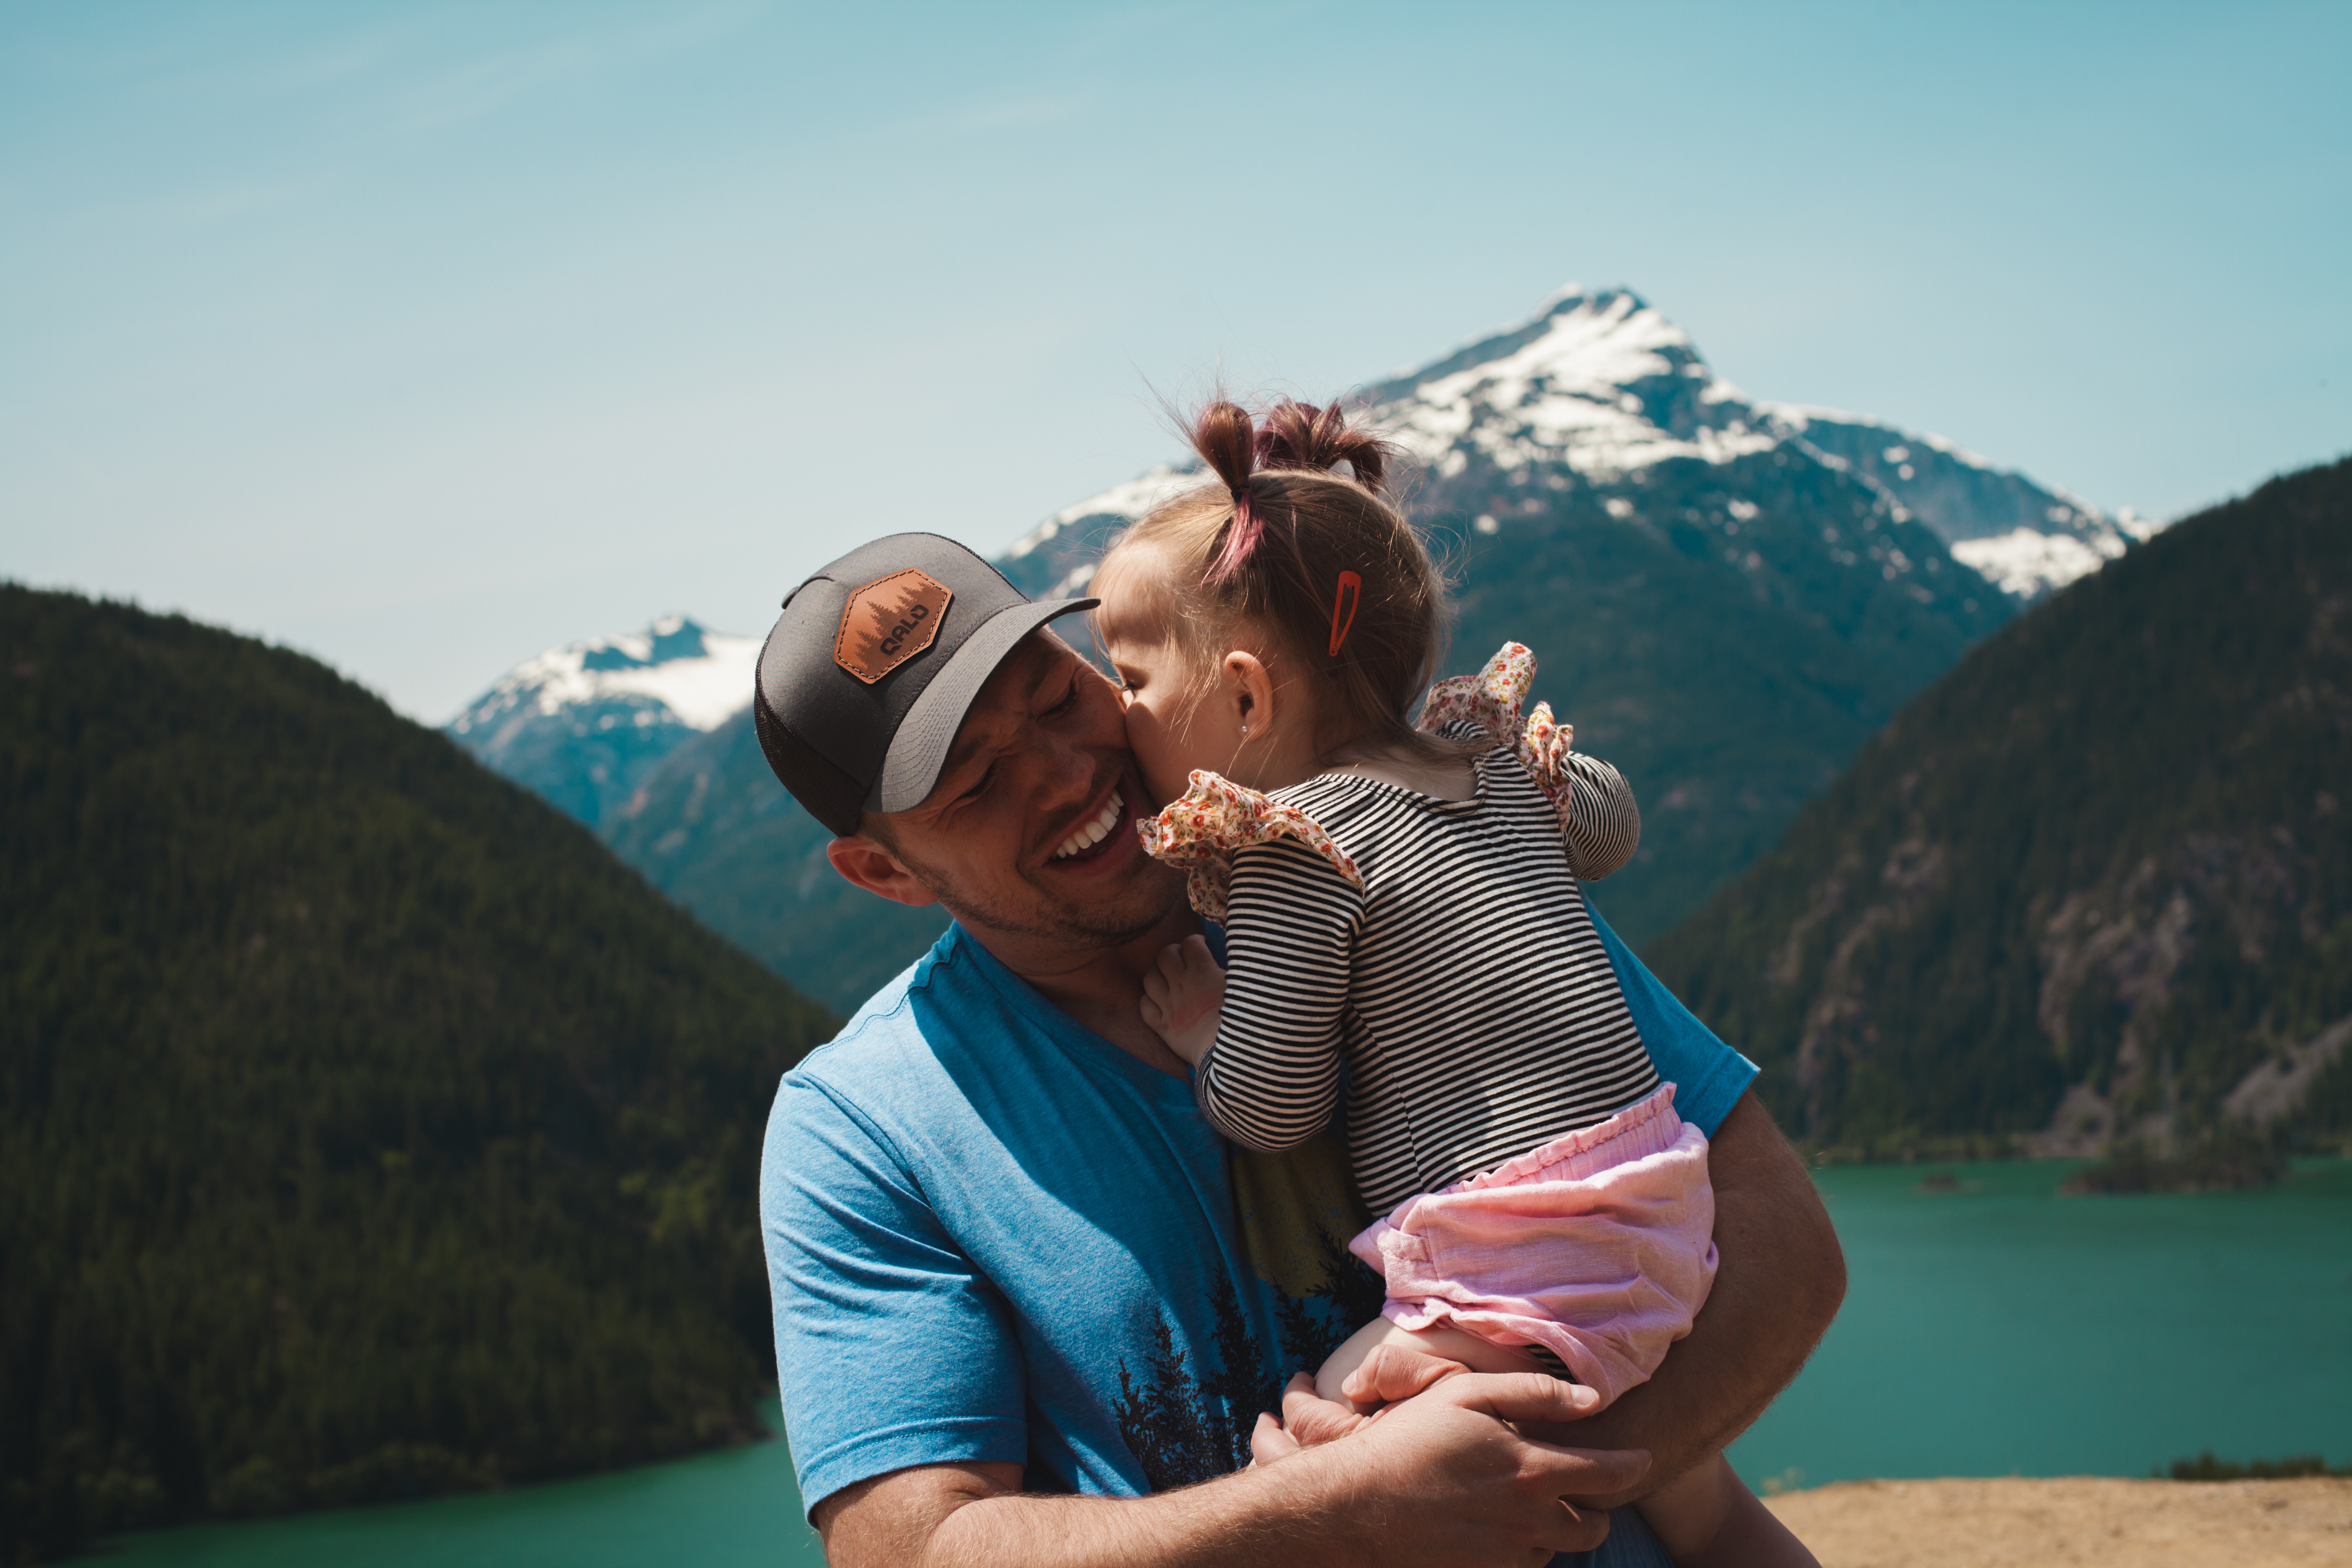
x=919 y=750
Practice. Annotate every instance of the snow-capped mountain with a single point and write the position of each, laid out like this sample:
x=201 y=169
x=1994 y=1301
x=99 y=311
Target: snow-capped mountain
x=583 y=724
x=1728 y=597
x=1599 y=391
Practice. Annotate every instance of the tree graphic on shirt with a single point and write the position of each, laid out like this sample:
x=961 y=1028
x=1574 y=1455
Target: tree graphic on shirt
x=1185 y=1425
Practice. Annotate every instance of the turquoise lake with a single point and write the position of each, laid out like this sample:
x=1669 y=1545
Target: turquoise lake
x=1993 y=1330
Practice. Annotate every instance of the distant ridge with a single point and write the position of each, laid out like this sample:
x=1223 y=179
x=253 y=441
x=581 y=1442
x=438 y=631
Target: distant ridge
x=1726 y=597
x=2094 y=884
x=366 y=1129
x=582 y=725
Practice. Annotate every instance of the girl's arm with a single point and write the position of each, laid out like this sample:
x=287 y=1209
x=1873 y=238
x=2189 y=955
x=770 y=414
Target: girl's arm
x=1273 y=1077
x=1602 y=824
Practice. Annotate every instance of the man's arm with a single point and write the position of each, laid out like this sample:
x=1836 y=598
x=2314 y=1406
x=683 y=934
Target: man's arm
x=1781 y=1278
x=1777 y=1285
x=1441 y=1479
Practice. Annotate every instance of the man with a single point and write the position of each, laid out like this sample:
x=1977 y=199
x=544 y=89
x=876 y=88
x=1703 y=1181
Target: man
x=1029 y=1308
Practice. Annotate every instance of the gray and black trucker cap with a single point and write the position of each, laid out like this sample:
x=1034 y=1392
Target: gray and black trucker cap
x=873 y=663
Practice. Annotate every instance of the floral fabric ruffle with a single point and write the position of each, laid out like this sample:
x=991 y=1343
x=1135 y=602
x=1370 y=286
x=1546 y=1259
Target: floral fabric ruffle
x=1491 y=700
x=1200 y=830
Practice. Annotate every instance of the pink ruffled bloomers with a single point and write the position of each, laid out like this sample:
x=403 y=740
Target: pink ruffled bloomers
x=1598 y=1246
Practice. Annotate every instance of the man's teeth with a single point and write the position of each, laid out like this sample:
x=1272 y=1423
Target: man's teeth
x=1090 y=836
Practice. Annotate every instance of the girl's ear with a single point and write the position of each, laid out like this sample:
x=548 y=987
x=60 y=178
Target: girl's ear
x=1247 y=691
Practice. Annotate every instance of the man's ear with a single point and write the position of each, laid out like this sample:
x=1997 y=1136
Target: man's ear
x=1247 y=691
x=861 y=860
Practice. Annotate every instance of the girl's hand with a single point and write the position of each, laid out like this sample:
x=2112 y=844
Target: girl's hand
x=1183 y=997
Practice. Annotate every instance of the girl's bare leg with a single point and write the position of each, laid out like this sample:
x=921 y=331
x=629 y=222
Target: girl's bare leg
x=1707 y=1518
x=1440 y=1340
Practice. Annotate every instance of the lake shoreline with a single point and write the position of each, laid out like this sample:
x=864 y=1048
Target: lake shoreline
x=1974 y=1523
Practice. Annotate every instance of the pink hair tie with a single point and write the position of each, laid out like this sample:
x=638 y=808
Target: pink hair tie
x=1242 y=540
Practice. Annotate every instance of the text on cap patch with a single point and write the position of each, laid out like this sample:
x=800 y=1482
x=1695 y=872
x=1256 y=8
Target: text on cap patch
x=888 y=622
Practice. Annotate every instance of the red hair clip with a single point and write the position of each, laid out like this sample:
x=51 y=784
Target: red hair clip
x=1351 y=593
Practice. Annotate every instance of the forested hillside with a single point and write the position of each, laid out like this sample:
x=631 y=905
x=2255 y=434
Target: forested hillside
x=365 y=1128
x=2095 y=883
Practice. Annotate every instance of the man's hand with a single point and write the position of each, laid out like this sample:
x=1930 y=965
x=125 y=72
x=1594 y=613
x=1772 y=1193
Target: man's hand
x=1775 y=1289
x=1389 y=1374
x=1463 y=1483
x=1445 y=1480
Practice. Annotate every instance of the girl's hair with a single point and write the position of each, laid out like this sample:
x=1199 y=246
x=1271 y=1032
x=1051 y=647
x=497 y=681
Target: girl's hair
x=1320 y=560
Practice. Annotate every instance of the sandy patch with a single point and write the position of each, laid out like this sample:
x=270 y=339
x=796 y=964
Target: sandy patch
x=2113 y=1523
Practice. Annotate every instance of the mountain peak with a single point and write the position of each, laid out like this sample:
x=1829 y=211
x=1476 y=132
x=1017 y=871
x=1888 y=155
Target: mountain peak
x=1599 y=388
x=695 y=676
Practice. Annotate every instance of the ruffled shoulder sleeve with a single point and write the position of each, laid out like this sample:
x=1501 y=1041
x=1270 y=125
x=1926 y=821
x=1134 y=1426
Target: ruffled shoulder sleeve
x=1595 y=806
x=1490 y=701
x=1202 y=828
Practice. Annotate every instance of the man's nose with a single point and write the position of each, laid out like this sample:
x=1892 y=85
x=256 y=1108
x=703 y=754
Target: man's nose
x=1067 y=773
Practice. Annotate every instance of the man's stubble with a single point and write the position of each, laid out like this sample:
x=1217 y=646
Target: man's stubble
x=1052 y=919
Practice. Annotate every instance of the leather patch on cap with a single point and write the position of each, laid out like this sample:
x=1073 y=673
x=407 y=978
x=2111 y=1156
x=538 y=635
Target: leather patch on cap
x=888 y=622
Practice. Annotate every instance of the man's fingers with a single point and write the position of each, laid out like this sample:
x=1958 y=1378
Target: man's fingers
x=1390 y=1373
x=1311 y=1419
x=1590 y=1472
x=1581 y=1529
x=1269 y=1442
x=1521 y=1397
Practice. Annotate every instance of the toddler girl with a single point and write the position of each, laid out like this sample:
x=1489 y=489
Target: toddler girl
x=1403 y=902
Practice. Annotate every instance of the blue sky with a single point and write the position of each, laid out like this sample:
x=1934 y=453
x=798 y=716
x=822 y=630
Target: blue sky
x=425 y=336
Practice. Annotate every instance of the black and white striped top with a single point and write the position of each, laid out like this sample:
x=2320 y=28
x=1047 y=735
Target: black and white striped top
x=1464 y=986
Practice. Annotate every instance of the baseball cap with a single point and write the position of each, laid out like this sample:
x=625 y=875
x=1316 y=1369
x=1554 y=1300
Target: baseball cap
x=867 y=674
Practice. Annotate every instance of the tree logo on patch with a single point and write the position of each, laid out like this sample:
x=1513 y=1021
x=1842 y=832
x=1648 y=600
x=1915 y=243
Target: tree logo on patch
x=888 y=622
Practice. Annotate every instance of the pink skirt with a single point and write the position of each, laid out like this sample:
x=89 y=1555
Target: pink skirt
x=1598 y=1246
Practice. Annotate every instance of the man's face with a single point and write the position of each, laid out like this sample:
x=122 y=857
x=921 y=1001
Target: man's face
x=1031 y=827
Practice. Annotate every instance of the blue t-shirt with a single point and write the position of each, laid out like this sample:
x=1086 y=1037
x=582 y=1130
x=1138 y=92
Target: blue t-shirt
x=994 y=1236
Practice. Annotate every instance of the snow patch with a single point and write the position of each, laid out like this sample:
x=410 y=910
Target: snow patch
x=1131 y=500
x=702 y=677
x=2026 y=562
x=1567 y=396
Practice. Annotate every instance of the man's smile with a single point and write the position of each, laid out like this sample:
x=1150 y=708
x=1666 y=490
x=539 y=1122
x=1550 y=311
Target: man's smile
x=1097 y=834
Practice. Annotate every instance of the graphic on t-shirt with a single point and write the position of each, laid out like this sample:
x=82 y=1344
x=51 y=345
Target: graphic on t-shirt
x=1185 y=1423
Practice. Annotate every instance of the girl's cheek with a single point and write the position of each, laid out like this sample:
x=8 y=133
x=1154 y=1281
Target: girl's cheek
x=1148 y=739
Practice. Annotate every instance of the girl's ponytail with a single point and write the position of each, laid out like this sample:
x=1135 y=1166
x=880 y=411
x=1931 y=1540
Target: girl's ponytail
x=1228 y=442
x=1301 y=435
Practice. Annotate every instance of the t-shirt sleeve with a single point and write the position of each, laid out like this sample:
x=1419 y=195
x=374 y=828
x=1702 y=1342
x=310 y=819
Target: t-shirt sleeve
x=891 y=1349
x=1708 y=1076
x=1271 y=1081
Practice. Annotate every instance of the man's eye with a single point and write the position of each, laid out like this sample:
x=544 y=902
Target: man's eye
x=977 y=790
x=1069 y=699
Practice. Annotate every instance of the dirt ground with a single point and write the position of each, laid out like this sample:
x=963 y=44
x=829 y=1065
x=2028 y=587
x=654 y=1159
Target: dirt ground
x=2087 y=1520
